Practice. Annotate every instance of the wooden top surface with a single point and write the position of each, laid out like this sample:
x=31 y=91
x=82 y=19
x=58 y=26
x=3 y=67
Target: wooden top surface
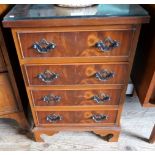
x=52 y=15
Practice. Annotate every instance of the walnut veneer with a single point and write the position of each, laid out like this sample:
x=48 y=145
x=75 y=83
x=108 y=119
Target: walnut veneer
x=75 y=69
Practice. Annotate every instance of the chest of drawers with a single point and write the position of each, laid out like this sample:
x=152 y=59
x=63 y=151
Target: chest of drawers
x=76 y=67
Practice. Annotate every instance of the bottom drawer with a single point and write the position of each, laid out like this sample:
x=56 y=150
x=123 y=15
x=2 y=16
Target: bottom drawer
x=76 y=117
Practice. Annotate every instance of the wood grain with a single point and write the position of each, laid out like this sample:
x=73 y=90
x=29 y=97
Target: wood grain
x=10 y=101
x=76 y=73
x=7 y=99
x=76 y=117
x=103 y=132
x=3 y=8
x=133 y=48
x=76 y=62
x=19 y=117
x=77 y=22
x=143 y=72
x=134 y=135
x=75 y=97
x=2 y=62
x=9 y=69
x=75 y=44
x=70 y=29
x=151 y=96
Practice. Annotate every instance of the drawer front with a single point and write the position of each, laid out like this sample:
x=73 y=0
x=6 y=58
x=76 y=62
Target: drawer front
x=7 y=99
x=76 y=97
x=75 y=44
x=76 y=117
x=76 y=74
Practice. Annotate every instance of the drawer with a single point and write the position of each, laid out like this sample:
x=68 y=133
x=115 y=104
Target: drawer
x=76 y=117
x=76 y=97
x=76 y=74
x=7 y=99
x=75 y=44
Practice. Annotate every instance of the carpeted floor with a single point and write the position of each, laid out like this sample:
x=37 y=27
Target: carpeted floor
x=137 y=123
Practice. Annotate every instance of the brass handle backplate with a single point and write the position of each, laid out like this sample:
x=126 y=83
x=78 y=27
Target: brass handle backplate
x=51 y=99
x=100 y=99
x=47 y=76
x=99 y=117
x=104 y=75
x=107 y=45
x=43 y=46
x=52 y=118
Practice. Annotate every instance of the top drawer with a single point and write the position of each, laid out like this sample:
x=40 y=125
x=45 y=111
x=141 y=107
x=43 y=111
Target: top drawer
x=75 y=44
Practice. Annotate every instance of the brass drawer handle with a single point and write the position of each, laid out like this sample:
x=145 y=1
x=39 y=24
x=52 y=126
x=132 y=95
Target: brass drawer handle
x=43 y=46
x=52 y=118
x=99 y=117
x=101 y=99
x=51 y=98
x=47 y=76
x=104 y=75
x=107 y=45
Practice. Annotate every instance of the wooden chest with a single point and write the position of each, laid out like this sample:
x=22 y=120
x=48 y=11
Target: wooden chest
x=76 y=67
